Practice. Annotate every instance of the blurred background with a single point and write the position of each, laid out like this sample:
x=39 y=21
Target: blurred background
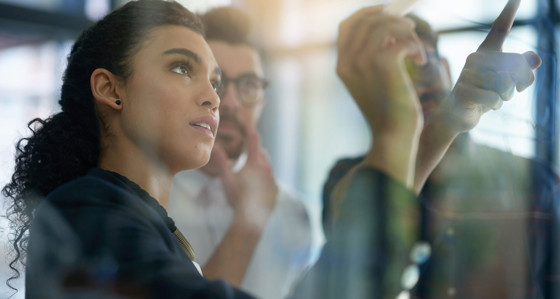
x=310 y=120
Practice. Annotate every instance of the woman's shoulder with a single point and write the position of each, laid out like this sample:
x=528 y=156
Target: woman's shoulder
x=100 y=201
x=102 y=192
x=88 y=189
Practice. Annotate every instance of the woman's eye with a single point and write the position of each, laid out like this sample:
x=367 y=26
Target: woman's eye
x=181 y=69
x=215 y=85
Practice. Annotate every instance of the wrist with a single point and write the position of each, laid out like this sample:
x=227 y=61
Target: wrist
x=394 y=156
x=251 y=220
x=441 y=129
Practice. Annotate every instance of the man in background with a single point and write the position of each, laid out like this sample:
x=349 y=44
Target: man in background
x=244 y=226
x=491 y=217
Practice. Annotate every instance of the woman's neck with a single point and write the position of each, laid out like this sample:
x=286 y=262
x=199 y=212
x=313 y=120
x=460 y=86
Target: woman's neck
x=154 y=178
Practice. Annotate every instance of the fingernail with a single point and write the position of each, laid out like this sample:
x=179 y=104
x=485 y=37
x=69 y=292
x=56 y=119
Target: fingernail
x=532 y=59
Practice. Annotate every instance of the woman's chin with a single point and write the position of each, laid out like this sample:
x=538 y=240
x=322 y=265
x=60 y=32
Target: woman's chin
x=204 y=163
x=193 y=163
x=201 y=160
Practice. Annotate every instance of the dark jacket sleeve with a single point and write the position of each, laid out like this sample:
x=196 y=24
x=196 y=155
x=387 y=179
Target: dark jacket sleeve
x=337 y=172
x=367 y=248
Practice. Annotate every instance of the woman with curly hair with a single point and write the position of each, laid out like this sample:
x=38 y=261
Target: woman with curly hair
x=90 y=190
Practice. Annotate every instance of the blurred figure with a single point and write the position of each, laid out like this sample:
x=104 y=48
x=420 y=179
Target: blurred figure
x=244 y=226
x=490 y=216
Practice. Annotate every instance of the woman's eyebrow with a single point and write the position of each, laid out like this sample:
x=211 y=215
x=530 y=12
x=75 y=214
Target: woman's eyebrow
x=183 y=51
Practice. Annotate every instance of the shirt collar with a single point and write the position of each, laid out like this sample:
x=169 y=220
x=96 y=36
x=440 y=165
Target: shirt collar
x=192 y=181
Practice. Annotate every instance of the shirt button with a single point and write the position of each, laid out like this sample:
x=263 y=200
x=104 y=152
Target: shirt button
x=404 y=295
x=410 y=277
x=420 y=252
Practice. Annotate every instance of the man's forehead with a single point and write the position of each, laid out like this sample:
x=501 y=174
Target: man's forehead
x=236 y=59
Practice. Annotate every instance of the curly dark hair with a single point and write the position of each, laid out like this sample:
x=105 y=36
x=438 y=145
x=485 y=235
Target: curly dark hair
x=66 y=145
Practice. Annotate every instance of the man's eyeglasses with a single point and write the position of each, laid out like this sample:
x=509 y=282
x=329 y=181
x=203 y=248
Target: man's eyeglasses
x=427 y=72
x=249 y=88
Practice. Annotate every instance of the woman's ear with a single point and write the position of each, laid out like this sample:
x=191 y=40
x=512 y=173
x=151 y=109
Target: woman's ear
x=104 y=88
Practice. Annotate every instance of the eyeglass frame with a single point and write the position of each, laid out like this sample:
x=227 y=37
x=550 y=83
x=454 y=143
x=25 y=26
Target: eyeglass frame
x=225 y=81
x=432 y=65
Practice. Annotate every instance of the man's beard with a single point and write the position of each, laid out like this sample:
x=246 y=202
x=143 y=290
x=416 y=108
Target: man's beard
x=432 y=101
x=232 y=146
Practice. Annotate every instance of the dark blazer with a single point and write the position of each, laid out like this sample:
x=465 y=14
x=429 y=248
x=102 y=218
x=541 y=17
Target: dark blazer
x=103 y=236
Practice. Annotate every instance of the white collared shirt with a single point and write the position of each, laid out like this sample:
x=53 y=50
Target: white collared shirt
x=290 y=243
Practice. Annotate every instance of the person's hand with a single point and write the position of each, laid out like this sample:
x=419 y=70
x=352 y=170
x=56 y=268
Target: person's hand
x=372 y=47
x=489 y=77
x=252 y=191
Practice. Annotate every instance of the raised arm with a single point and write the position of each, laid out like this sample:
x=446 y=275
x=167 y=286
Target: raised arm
x=372 y=47
x=488 y=78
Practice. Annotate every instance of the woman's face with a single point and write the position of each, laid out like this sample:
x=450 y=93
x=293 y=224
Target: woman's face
x=169 y=104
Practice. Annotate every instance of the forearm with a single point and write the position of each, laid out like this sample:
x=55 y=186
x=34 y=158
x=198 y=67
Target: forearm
x=395 y=156
x=231 y=258
x=434 y=142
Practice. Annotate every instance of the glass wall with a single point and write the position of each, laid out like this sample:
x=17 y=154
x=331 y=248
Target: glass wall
x=310 y=120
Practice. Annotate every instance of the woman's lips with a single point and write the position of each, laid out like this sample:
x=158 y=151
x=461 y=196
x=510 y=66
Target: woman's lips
x=206 y=124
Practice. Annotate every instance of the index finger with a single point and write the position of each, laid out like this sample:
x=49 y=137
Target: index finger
x=500 y=28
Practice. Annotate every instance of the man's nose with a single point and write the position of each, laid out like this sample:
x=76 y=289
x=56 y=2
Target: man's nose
x=230 y=99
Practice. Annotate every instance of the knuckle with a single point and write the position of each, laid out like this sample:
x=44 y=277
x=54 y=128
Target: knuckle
x=473 y=58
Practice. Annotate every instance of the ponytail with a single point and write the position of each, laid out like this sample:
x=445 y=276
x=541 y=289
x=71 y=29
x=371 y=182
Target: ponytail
x=59 y=150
